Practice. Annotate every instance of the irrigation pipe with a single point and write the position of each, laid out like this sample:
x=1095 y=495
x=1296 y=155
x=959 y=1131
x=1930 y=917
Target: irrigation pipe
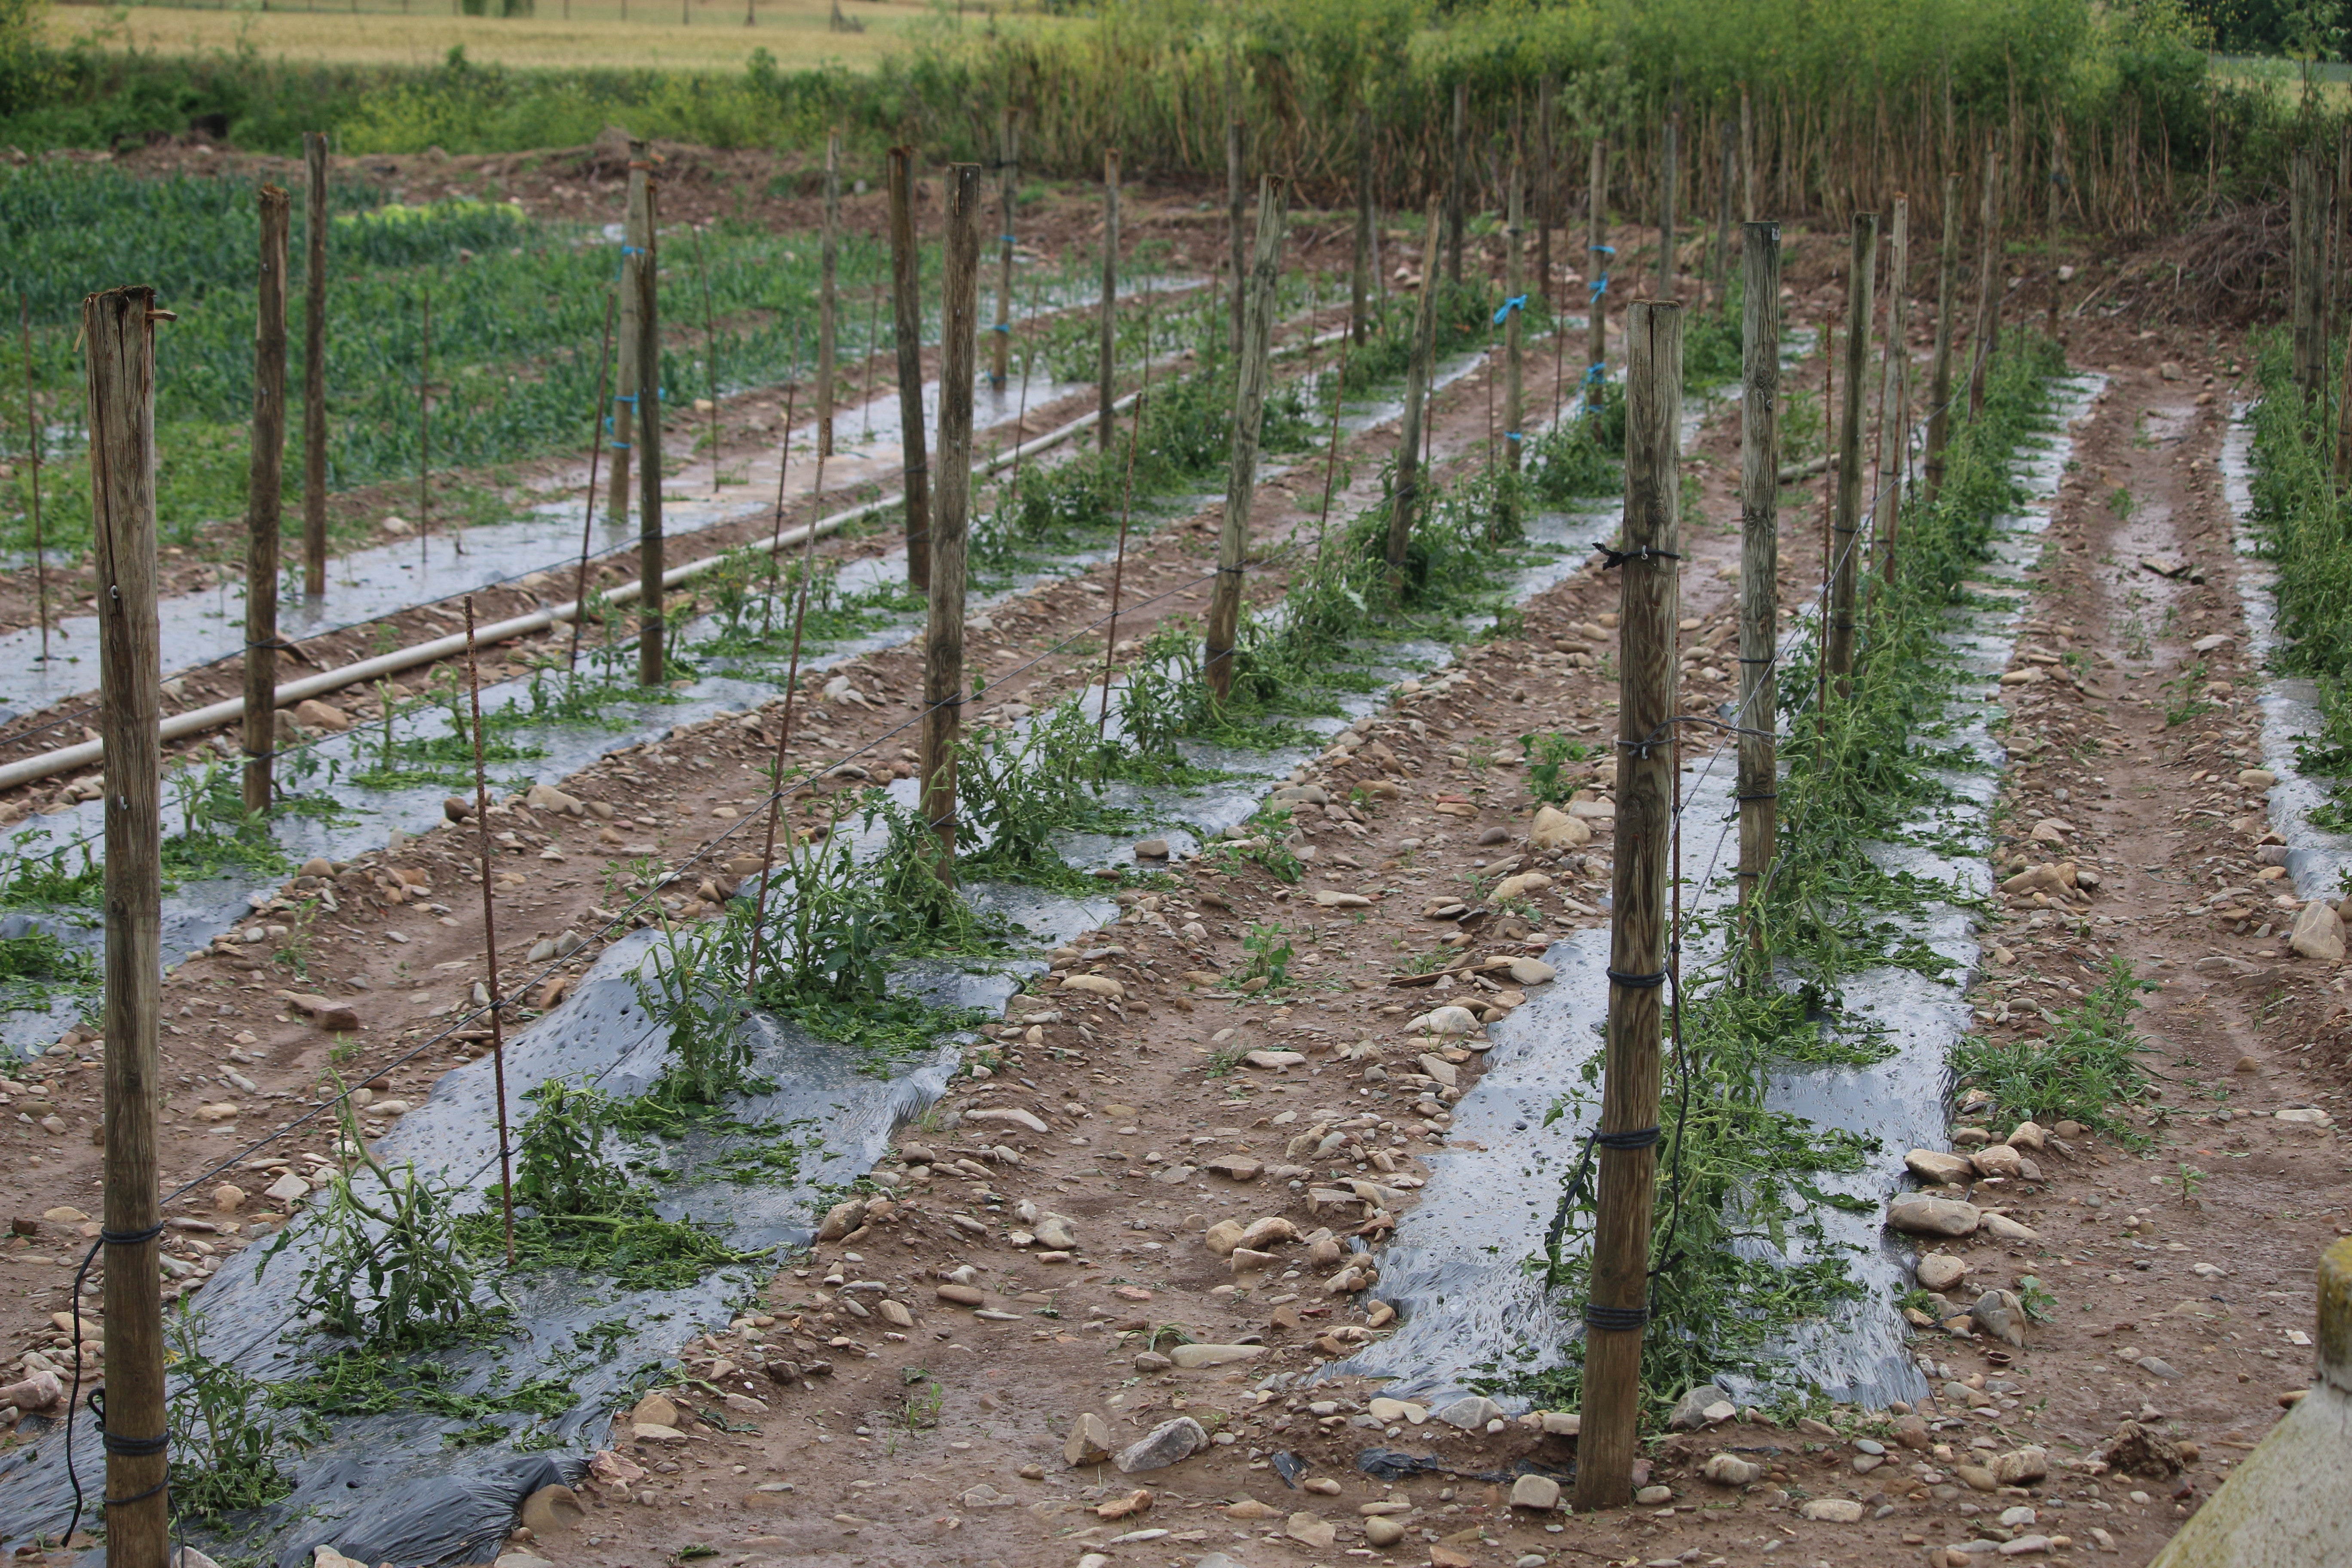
x=198 y=720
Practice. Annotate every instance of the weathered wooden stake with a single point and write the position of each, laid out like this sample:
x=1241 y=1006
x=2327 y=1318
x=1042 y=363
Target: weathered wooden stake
x=828 y=296
x=1837 y=656
x=1547 y=204
x=1249 y=411
x=119 y=335
x=34 y=457
x=1747 y=159
x=1760 y=554
x=1627 y=1158
x=2057 y=192
x=1359 y=325
x=1939 y=372
x=425 y=426
x=1125 y=515
x=1515 y=297
x=1457 y=172
x=490 y=938
x=1236 y=208
x=1727 y=138
x=264 y=490
x=1597 y=255
x=1988 y=288
x=710 y=357
x=588 y=502
x=651 y=663
x=314 y=368
x=1669 y=180
x=907 y=320
x=1008 y=192
x=636 y=236
x=1109 y=364
x=951 y=501
x=1894 y=390
x=1406 y=496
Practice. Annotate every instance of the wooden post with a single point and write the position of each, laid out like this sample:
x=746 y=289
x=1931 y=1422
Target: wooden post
x=651 y=663
x=1547 y=202
x=423 y=424
x=1406 y=496
x=1988 y=333
x=490 y=937
x=588 y=502
x=1837 y=656
x=1669 y=178
x=1597 y=255
x=1236 y=240
x=1759 y=551
x=1456 y=174
x=34 y=458
x=265 y=489
x=1939 y=373
x=119 y=335
x=1008 y=192
x=1249 y=410
x=1747 y=159
x=2343 y=422
x=1103 y=418
x=2301 y=284
x=636 y=237
x=1894 y=411
x=829 y=301
x=710 y=358
x=1515 y=294
x=1627 y=1165
x=907 y=318
x=314 y=369
x=1360 y=324
x=1727 y=137
x=950 y=499
x=2057 y=191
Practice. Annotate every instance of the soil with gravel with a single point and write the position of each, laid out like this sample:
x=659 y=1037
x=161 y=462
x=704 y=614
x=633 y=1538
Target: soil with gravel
x=965 y=1407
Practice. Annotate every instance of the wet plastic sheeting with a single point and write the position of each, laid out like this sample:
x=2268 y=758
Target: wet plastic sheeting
x=2319 y=861
x=389 y=1486
x=1457 y=1267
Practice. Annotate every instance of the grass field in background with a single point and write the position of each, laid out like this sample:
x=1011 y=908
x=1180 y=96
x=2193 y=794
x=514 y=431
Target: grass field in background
x=713 y=35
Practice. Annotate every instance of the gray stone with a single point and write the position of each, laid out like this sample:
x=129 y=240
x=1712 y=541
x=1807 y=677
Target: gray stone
x=2000 y=1314
x=1539 y=1493
x=2156 y=1366
x=2021 y=1465
x=1731 y=1470
x=1924 y=1215
x=1939 y=1271
x=1165 y=1444
x=1471 y=1413
x=1690 y=1411
x=1937 y=1168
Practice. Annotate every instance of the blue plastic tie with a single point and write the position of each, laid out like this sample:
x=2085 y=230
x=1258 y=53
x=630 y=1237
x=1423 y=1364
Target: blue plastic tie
x=1004 y=327
x=1516 y=302
x=1512 y=436
x=1596 y=375
x=1600 y=285
x=1005 y=238
x=633 y=250
x=1603 y=250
